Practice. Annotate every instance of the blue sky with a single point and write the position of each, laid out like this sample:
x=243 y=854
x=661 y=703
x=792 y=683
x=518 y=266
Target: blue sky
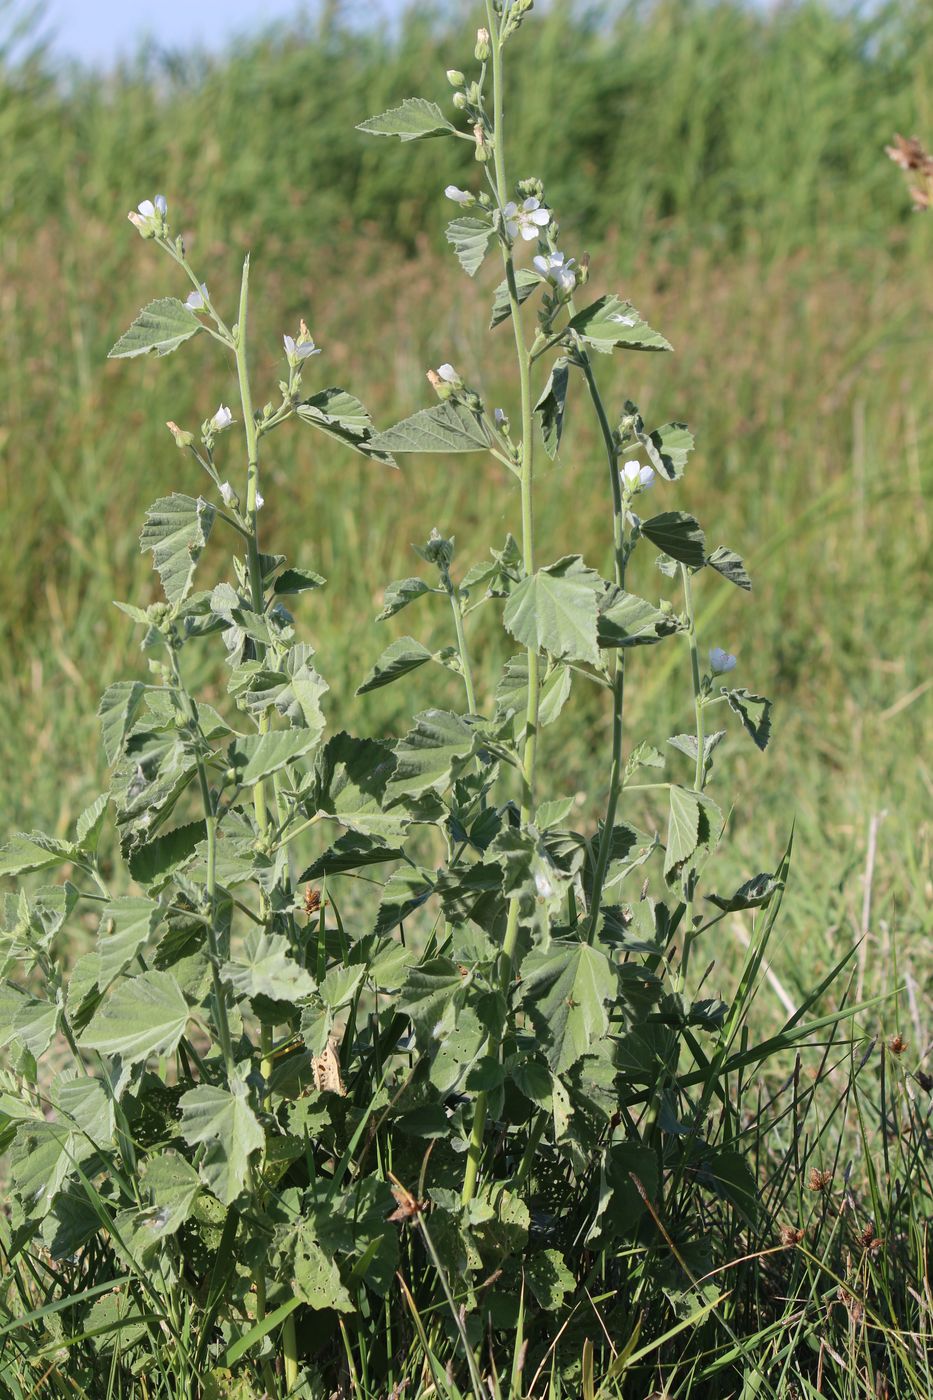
x=100 y=31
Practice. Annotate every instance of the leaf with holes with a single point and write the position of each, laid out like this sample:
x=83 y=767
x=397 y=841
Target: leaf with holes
x=176 y=530
x=224 y=1122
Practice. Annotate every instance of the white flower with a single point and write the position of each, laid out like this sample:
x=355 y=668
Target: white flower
x=197 y=301
x=624 y=320
x=221 y=419
x=637 y=477
x=260 y=501
x=721 y=660
x=228 y=493
x=161 y=203
x=459 y=196
x=528 y=220
x=298 y=350
x=500 y=416
x=448 y=374
x=557 y=269
x=146 y=208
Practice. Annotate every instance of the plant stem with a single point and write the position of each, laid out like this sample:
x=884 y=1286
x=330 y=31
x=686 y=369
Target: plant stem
x=699 y=779
x=529 y=752
x=619 y=546
x=254 y=564
x=457 y=609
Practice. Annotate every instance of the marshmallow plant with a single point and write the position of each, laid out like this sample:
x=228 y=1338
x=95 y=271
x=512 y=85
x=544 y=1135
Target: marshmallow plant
x=269 y=1125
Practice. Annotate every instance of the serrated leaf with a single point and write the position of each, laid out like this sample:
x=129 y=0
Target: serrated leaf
x=350 y=781
x=445 y=427
x=512 y=692
x=414 y=120
x=551 y=406
x=687 y=744
x=668 y=448
x=256 y=756
x=90 y=823
x=755 y=713
x=406 y=890
x=431 y=755
x=351 y=851
x=526 y=282
x=342 y=416
x=317 y=1279
x=605 y=326
x=125 y=928
x=143 y=1016
x=431 y=997
x=549 y=1279
x=161 y=856
x=731 y=566
x=470 y=240
x=35 y=1024
x=176 y=530
x=119 y=705
x=683 y=829
x=226 y=1125
x=173 y=1186
x=555 y=610
x=400 y=593
x=679 y=535
x=565 y=989
x=625 y=620
x=263 y=968
x=159 y=329
x=29 y=851
x=398 y=660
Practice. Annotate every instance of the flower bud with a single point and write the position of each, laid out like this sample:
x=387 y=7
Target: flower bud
x=437 y=550
x=455 y=77
x=459 y=101
x=182 y=439
x=481 y=52
x=482 y=149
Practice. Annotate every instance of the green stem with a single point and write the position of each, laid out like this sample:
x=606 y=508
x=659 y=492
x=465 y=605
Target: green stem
x=529 y=752
x=699 y=779
x=619 y=546
x=219 y=991
x=456 y=606
x=254 y=565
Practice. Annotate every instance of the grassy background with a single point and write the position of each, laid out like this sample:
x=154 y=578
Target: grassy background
x=725 y=166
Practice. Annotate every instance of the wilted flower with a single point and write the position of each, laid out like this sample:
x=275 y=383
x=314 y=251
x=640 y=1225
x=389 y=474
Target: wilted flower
x=228 y=493
x=558 y=270
x=221 y=419
x=481 y=51
x=300 y=349
x=721 y=660
x=182 y=439
x=197 y=301
x=528 y=220
x=459 y=196
x=637 y=477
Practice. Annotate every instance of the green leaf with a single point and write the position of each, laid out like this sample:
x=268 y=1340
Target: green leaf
x=176 y=530
x=469 y=239
x=173 y=1185
x=161 y=856
x=26 y=852
x=683 y=830
x=446 y=427
x=91 y=822
x=414 y=120
x=755 y=713
x=551 y=405
x=125 y=928
x=351 y=851
x=731 y=566
x=431 y=755
x=224 y=1122
x=549 y=1279
x=526 y=282
x=512 y=692
x=565 y=988
x=668 y=448
x=554 y=610
x=159 y=329
x=604 y=325
x=317 y=1279
x=753 y=894
x=431 y=997
x=264 y=969
x=687 y=744
x=256 y=756
x=143 y=1016
x=398 y=660
x=400 y=593
x=119 y=705
x=501 y=574
x=625 y=620
x=679 y=535
x=341 y=415
x=350 y=782
x=88 y=1107
x=35 y=1025
x=291 y=581
x=643 y=755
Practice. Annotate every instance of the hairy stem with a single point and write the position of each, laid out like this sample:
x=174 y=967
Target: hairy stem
x=699 y=779
x=529 y=751
x=618 y=673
